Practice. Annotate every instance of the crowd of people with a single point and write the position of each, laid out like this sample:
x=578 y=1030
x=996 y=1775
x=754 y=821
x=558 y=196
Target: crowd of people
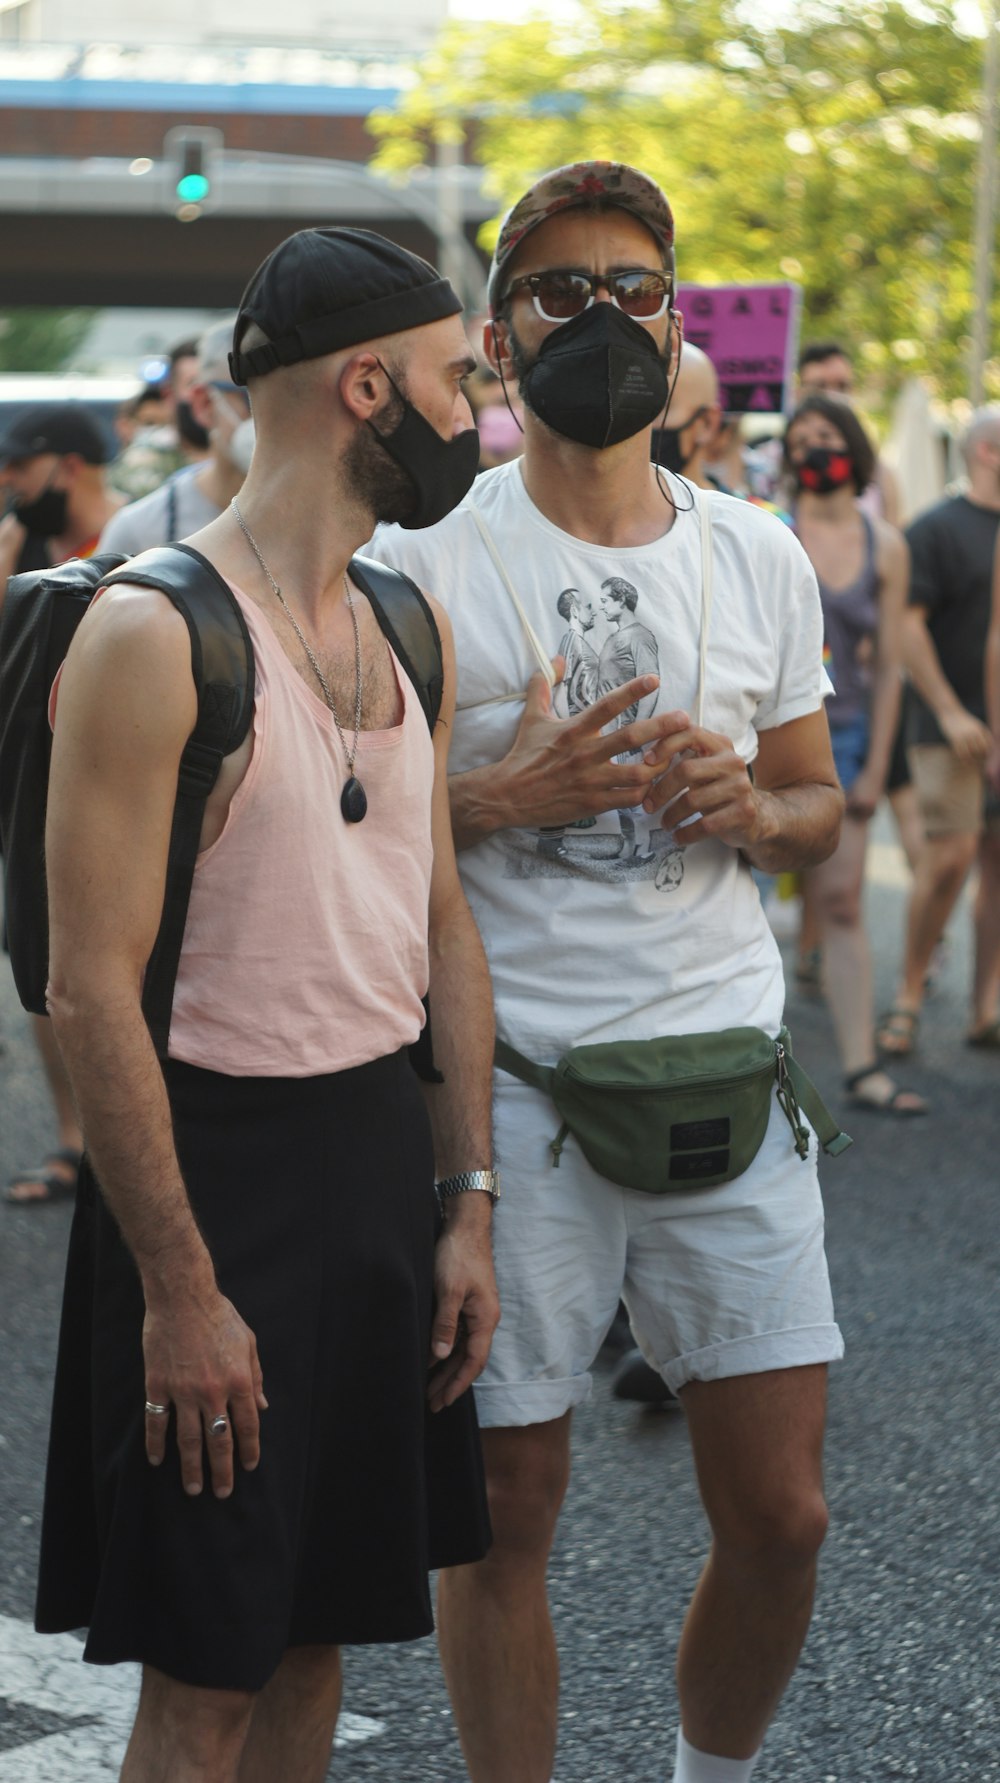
x=665 y=668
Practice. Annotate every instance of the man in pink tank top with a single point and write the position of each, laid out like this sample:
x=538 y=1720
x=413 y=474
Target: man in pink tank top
x=262 y=1438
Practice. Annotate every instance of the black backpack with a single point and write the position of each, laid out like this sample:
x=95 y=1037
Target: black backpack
x=40 y=615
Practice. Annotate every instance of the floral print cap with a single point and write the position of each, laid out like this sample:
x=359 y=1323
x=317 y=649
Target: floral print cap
x=566 y=188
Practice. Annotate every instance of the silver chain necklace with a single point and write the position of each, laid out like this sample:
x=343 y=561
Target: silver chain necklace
x=353 y=799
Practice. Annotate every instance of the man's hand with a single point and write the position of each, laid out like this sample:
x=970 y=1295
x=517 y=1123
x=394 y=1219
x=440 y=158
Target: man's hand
x=864 y=796
x=562 y=769
x=704 y=776
x=12 y=537
x=467 y=1307
x=968 y=736
x=201 y=1359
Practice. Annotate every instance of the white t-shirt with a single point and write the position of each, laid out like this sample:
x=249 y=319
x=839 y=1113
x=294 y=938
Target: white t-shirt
x=605 y=929
x=146 y=522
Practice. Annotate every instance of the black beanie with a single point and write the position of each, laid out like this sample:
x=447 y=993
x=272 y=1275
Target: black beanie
x=326 y=289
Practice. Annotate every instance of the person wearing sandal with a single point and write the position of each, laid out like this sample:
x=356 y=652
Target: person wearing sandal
x=862 y=569
x=952 y=745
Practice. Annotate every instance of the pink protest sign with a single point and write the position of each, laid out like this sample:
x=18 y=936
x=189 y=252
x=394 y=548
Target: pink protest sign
x=750 y=333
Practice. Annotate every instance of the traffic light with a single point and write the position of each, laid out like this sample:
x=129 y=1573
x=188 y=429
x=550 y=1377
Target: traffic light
x=193 y=184
x=191 y=154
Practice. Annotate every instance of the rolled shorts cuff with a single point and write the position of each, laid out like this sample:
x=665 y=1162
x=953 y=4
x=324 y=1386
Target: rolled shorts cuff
x=795 y=1348
x=511 y=1403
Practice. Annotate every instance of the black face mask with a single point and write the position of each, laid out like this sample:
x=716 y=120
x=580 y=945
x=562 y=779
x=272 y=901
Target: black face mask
x=442 y=471
x=598 y=379
x=190 y=429
x=824 y=469
x=45 y=517
x=667 y=446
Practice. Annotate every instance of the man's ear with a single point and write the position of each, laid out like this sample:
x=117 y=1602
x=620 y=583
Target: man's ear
x=362 y=385
x=496 y=343
x=709 y=425
x=201 y=398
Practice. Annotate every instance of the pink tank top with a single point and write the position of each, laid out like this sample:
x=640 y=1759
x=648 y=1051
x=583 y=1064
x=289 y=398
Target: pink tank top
x=305 y=949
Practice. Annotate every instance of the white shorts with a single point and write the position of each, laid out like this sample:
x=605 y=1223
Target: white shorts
x=728 y=1281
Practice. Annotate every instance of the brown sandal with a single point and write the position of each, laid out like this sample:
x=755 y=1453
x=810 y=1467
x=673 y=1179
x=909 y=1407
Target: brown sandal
x=897 y=1032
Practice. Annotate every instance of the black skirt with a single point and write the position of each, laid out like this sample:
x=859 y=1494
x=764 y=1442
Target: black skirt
x=316 y=1200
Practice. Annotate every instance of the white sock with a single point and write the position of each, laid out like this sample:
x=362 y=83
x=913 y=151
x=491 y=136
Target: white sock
x=701 y=1767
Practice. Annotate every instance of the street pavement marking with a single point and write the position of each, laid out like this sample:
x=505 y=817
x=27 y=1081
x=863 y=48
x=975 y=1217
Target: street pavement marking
x=46 y=1672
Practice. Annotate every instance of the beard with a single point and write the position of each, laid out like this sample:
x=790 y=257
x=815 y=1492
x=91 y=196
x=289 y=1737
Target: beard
x=522 y=362
x=374 y=480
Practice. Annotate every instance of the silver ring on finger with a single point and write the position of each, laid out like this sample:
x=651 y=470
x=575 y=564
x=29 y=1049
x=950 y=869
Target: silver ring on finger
x=156 y=1411
x=218 y=1426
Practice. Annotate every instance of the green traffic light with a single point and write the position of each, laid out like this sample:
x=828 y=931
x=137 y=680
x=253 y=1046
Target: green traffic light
x=192 y=188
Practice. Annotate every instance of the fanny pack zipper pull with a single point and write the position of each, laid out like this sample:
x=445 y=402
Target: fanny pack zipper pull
x=789 y=1104
x=557 y=1144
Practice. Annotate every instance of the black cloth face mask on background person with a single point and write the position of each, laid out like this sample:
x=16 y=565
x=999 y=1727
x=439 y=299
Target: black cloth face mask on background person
x=442 y=471
x=45 y=517
x=598 y=379
x=824 y=469
x=667 y=445
x=190 y=429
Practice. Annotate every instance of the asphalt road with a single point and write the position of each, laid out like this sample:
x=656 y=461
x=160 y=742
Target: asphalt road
x=899 y=1677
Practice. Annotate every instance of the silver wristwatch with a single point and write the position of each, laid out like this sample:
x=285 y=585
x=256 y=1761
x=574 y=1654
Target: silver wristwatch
x=487 y=1181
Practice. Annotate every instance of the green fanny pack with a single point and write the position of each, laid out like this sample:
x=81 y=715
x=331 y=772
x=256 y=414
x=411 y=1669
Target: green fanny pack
x=679 y=1114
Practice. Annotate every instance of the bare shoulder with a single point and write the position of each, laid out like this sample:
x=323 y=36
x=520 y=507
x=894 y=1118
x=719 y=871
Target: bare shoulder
x=447 y=656
x=440 y=614
x=132 y=655
x=12 y=537
x=130 y=622
x=890 y=545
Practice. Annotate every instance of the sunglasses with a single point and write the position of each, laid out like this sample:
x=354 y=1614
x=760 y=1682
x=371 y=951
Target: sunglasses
x=559 y=296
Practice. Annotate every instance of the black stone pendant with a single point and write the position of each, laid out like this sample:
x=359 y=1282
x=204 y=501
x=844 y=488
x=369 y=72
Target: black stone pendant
x=353 y=802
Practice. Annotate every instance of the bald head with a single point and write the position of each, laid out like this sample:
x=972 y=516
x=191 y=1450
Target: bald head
x=697 y=385
x=983 y=429
x=692 y=420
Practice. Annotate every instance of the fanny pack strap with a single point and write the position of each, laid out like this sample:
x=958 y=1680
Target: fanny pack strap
x=540 y=1077
x=806 y=1095
x=797 y=1095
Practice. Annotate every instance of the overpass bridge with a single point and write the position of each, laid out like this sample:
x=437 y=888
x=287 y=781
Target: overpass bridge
x=88 y=210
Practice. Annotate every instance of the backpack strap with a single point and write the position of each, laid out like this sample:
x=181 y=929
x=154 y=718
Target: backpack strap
x=222 y=664
x=411 y=630
x=409 y=626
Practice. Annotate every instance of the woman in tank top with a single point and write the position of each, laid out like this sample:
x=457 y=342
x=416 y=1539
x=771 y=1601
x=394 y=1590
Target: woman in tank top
x=862 y=567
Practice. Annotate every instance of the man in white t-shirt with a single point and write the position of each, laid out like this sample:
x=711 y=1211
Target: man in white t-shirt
x=615 y=935
x=198 y=493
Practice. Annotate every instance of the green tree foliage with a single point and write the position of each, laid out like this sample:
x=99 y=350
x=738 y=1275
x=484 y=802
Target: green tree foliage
x=41 y=340
x=838 y=150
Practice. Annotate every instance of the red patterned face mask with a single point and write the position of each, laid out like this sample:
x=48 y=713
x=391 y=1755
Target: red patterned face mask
x=824 y=469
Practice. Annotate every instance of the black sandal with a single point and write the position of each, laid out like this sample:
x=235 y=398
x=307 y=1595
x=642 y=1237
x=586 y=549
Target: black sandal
x=890 y=1104
x=53 y=1185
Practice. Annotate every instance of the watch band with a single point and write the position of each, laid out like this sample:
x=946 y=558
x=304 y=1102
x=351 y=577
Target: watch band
x=486 y=1181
